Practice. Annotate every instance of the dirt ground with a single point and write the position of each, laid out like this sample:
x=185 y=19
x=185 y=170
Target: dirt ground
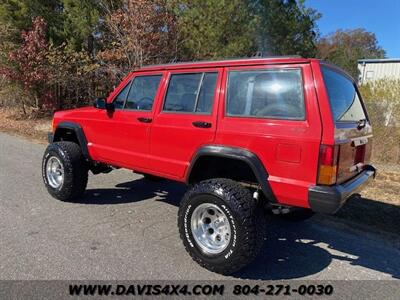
x=13 y=122
x=379 y=207
x=386 y=187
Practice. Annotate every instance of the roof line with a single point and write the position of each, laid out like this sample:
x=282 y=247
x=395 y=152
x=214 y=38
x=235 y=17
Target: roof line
x=378 y=60
x=230 y=60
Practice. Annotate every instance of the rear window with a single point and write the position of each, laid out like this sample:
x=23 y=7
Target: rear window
x=275 y=94
x=191 y=93
x=343 y=97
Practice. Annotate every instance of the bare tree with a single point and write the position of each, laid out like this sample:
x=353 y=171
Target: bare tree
x=139 y=32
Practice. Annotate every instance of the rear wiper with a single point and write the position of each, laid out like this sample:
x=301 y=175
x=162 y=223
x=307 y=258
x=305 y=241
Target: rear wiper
x=361 y=124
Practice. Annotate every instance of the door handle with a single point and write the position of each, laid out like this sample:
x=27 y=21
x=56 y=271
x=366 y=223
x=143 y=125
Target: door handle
x=145 y=120
x=201 y=124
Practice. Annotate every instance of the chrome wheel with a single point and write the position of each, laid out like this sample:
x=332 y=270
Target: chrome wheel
x=54 y=172
x=210 y=228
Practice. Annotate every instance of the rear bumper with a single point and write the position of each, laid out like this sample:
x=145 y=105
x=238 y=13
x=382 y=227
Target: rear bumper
x=328 y=199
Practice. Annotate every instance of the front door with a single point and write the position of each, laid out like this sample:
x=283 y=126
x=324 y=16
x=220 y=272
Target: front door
x=186 y=119
x=123 y=135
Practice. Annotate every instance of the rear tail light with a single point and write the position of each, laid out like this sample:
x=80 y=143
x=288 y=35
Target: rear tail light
x=328 y=164
x=53 y=125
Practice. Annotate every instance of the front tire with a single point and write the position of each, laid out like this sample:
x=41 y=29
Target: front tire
x=221 y=225
x=64 y=171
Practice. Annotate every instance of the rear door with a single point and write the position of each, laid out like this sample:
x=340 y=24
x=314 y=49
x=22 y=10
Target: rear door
x=352 y=131
x=186 y=119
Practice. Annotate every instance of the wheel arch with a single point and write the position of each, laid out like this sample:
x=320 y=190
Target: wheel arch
x=244 y=156
x=70 y=131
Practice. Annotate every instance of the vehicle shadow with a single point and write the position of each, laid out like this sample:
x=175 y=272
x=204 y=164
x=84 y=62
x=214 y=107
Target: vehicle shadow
x=297 y=250
x=291 y=250
x=135 y=191
x=377 y=214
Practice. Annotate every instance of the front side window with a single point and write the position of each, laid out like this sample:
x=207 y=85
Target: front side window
x=192 y=92
x=343 y=97
x=138 y=94
x=275 y=94
x=142 y=93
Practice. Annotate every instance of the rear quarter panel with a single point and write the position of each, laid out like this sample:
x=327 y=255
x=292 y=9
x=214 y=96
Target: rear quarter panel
x=288 y=149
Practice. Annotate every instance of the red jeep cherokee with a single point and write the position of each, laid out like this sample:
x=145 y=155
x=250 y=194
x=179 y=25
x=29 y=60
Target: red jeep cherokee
x=289 y=134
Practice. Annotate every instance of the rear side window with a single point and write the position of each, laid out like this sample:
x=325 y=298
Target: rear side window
x=343 y=97
x=275 y=94
x=192 y=92
x=206 y=95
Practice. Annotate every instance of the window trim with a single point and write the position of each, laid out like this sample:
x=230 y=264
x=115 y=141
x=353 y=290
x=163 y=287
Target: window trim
x=303 y=92
x=339 y=71
x=130 y=82
x=197 y=93
x=196 y=102
x=120 y=91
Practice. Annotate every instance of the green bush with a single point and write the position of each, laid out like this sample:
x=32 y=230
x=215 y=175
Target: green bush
x=382 y=98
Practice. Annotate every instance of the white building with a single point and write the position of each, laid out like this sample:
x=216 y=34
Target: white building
x=373 y=69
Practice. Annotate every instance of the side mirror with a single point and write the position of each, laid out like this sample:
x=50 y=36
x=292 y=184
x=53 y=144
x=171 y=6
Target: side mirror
x=100 y=103
x=110 y=107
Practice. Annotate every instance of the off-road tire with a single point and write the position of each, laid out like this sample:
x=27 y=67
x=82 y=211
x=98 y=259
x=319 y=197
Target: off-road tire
x=75 y=170
x=245 y=217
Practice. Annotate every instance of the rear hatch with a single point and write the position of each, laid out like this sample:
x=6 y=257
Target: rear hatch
x=353 y=132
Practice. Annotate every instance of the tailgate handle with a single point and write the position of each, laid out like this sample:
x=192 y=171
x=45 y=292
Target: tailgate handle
x=201 y=124
x=361 y=124
x=145 y=120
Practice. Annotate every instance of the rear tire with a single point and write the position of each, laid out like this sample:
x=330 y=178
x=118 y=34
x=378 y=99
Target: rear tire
x=238 y=210
x=64 y=171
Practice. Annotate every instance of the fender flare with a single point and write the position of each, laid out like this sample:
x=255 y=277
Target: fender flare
x=242 y=154
x=80 y=135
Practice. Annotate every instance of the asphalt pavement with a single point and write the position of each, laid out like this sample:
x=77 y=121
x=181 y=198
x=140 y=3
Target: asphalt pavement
x=125 y=228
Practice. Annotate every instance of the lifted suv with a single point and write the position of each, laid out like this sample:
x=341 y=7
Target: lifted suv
x=288 y=134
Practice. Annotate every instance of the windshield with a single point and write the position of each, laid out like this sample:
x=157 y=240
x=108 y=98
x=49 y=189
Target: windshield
x=343 y=96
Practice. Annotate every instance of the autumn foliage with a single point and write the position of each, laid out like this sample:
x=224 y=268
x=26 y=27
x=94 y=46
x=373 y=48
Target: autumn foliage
x=58 y=54
x=130 y=34
x=29 y=62
x=345 y=47
x=141 y=32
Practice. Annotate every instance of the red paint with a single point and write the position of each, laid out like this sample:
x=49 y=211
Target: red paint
x=289 y=153
x=288 y=149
